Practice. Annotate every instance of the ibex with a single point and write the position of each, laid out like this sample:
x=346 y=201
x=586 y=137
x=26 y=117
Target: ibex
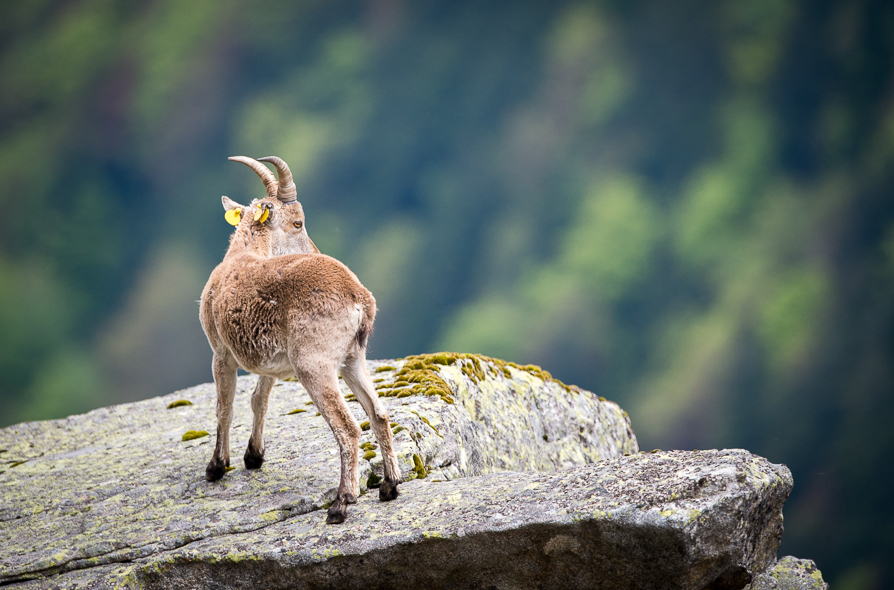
x=277 y=307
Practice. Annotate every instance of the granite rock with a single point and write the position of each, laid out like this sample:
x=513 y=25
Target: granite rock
x=701 y=519
x=120 y=484
x=790 y=573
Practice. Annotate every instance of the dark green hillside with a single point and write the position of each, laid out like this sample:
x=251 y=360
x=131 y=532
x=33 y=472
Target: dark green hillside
x=685 y=207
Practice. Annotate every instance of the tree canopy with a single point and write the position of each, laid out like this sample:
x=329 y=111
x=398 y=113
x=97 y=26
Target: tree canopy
x=685 y=207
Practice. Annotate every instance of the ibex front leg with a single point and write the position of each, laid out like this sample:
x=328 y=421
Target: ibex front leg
x=324 y=392
x=254 y=454
x=224 y=369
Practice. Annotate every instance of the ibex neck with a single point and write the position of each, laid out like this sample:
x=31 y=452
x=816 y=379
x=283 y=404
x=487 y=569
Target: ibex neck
x=245 y=240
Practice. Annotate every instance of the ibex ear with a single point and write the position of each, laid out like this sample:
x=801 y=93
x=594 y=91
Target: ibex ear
x=229 y=204
x=234 y=210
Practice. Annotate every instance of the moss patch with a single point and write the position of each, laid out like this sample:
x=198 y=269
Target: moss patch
x=193 y=434
x=295 y=411
x=373 y=481
x=420 y=374
x=383 y=369
x=419 y=467
x=364 y=425
x=369 y=455
x=179 y=403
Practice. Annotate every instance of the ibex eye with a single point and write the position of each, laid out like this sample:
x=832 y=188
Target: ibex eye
x=298 y=224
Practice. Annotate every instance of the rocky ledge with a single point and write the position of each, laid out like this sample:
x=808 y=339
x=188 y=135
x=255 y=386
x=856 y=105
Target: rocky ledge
x=512 y=480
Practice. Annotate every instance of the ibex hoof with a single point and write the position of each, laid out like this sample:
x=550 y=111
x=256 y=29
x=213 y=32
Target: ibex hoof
x=215 y=470
x=337 y=513
x=388 y=490
x=253 y=459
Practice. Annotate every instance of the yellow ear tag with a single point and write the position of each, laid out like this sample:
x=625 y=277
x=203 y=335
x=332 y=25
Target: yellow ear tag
x=233 y=216
x=262 y=214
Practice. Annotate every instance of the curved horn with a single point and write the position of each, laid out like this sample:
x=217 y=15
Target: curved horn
x=260 y=170
x=288 y=192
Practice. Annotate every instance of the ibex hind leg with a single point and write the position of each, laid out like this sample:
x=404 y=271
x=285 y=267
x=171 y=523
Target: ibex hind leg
x=254 y=454
x=358 y=379
x=224 y=370
x=323 y=390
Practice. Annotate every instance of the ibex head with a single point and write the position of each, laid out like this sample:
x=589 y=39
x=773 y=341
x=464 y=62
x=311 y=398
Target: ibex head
x=278 y=219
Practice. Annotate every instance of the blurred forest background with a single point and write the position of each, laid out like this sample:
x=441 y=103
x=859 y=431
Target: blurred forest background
x=684 y=206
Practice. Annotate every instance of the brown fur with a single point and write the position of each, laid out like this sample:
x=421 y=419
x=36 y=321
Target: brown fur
x=277 y=307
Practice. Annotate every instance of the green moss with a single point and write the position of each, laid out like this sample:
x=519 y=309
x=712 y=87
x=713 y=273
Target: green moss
x=179 y=403
x=364 y=425
x=193 y=434
x=17 y=463
x=419 y=467
x=373 y=480
x=397 y=429
x=229 y=468
x=384 y=368
x=369 y=455
x=420 y=374
x=442 y=358
x=368 y=446
x=295 y=411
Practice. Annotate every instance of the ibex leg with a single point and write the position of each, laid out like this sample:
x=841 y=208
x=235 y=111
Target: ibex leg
x=358 y=379
x=224 y=369
x=254 y=454
x=324 y=391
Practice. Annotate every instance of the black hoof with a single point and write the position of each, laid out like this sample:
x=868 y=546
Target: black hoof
x=337 y=513
x=253 y=459
x=388 y=490
x=215 y=470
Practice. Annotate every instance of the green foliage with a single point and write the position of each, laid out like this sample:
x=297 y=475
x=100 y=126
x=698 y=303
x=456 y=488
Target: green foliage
x=684 y=207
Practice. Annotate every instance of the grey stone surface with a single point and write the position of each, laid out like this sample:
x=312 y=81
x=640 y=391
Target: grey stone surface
x=116 y=485
x=790 y=573
x=701 y=519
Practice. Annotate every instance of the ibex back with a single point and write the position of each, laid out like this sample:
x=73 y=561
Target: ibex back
x=277 y=307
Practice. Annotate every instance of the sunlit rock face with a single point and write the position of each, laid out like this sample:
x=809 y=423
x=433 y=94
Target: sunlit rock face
x=512 y=479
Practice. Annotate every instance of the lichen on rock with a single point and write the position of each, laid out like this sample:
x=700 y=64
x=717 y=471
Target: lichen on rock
x=790 y=573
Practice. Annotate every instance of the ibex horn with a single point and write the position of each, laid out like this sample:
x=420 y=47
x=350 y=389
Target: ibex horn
x=262 y=171
x=288 y=193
